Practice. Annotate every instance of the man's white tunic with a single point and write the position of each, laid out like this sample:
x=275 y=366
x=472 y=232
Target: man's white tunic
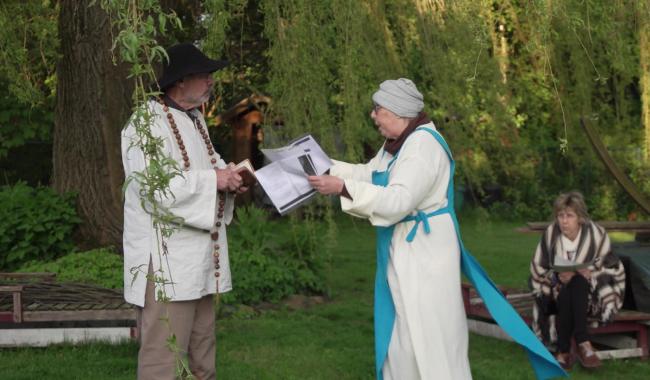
x=188 y=264
x=429 y=339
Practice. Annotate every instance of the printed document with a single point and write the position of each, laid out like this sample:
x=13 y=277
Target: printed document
x=285 y=179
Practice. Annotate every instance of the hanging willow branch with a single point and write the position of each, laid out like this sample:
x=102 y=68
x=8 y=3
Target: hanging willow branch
x=138 y=23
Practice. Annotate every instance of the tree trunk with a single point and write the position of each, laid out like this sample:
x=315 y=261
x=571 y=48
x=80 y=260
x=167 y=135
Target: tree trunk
x=93 y=103
x=644 y=75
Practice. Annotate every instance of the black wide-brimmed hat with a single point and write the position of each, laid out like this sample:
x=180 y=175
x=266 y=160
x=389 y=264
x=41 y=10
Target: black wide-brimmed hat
x=186 y=59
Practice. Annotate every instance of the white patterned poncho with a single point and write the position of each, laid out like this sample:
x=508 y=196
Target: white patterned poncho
x=607 y=283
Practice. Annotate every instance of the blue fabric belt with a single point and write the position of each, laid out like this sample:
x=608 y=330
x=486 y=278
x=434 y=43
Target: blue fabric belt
x=423 y=218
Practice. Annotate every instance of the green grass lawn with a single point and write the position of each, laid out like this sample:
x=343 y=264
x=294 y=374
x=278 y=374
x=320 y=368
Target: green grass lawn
x=329 y=341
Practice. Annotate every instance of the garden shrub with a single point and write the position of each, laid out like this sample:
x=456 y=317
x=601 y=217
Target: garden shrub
x=270 y=260
x=35 y=224
x=101 y=267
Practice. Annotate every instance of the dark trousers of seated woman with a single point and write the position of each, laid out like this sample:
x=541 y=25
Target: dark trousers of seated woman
x=572 y=303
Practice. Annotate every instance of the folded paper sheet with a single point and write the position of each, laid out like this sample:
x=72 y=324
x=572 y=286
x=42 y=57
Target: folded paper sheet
x=285 y=179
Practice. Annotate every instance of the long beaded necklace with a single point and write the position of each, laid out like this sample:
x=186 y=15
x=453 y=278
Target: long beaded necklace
x=186 y=166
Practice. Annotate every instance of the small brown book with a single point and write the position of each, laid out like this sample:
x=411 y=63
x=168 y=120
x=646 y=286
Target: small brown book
x=247 y=172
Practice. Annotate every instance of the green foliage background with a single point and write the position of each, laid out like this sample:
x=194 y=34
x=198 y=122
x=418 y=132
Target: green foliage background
x=505 y=81
x=271 y=260
x=35 y=224
x=101 y=267
x=28 y=53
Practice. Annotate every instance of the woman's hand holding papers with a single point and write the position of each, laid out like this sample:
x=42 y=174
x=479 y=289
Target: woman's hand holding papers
x=326 y=184
x=565 y=277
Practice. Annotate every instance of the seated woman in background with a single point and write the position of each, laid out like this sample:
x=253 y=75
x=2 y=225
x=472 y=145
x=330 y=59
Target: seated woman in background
x=576 y=278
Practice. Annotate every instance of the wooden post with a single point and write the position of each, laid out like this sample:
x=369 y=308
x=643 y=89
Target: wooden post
x=16 y=290
x=18 y=306
x=642 y=341
x=244 y=139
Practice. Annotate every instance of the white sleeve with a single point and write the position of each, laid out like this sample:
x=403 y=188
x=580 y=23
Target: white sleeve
x=358 y=172
x=411 y=180
x=191 y=196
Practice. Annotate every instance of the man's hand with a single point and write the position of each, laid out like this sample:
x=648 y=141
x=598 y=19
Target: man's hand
x=326 y=184
x=565 y=277
x=228 y=179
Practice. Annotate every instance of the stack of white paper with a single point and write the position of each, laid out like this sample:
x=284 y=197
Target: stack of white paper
x=285 y=179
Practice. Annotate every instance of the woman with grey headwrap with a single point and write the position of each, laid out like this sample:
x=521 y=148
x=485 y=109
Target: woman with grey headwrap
x=420 y=323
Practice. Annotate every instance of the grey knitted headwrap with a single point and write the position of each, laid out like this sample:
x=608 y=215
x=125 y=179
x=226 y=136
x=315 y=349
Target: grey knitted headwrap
x=400 y=96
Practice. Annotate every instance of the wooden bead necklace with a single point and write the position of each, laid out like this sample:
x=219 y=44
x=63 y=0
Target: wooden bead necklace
x=186 y=166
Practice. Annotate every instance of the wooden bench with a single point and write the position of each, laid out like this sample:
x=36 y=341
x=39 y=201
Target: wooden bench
x=17 y=293
x=35 y=301
x=626 y=321
x=35 y=297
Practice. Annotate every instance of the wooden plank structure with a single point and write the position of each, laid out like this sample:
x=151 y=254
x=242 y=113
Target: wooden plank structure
x=34 y=300
x=630 y=188
x=625 y=322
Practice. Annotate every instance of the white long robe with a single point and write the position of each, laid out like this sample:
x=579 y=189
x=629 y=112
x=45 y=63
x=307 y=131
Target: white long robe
x=189 y=262
x=429 y=339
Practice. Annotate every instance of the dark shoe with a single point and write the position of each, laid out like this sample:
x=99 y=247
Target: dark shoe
x=587 y=355
x=566 y=360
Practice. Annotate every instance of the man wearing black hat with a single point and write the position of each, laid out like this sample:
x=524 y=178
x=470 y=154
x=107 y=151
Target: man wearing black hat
x=189 y=267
